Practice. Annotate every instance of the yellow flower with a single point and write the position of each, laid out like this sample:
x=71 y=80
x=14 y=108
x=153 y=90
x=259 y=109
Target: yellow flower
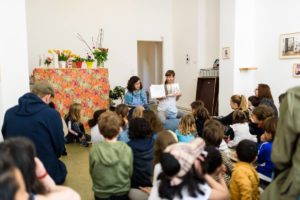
x=50 y=51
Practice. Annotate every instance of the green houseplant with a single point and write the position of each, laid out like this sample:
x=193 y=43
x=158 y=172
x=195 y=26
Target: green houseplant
x=100 y=54
x=117 y=93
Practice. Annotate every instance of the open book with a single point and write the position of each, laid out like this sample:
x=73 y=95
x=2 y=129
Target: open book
x=159 y=91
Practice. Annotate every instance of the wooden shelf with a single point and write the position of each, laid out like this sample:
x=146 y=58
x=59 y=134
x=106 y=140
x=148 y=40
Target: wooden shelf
x=247 y=68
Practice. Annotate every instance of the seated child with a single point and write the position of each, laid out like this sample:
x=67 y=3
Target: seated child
x=122 y=111
x=93 y=124
x=138 y=112
x=213 y=134
x=141 y=142
x=265 y=166
x=253 y=101
x=110 y=161
x=75 y=128
x=200 y=114
x=244 y=179
x=186 y=129
x=240 y=128
x=259 y=114
x=155 y=124
x=180 y=175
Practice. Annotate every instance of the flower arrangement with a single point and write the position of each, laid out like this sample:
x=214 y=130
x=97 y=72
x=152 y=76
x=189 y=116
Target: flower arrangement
x=48 y=61
x=77 y=58
x=63 y=55
x=89 y=58
x=100 y=54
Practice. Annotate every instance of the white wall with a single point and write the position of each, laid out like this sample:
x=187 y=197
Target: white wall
x=227 y=39
x=252 y=29
x=196 y=33
x=14 y=78
x=273 y=19
x=55 y=23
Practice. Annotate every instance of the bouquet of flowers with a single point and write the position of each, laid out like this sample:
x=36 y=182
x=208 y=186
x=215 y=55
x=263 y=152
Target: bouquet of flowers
x=100 y=54
x=63 y=55
x=77 y=58
x=48 y=61
x=89 y=58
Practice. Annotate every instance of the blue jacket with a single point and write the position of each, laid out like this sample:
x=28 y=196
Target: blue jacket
x=34 y=119
x=265 y=165
x=142 y=162
x=136 y=98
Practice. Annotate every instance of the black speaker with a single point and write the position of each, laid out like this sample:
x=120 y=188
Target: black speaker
x=208 y=92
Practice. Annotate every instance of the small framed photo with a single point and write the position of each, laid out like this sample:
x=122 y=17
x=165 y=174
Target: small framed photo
x=226 y=53
x=296 y=70
x=290 y=45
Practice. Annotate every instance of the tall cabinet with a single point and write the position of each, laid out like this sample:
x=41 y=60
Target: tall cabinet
x=208 y=92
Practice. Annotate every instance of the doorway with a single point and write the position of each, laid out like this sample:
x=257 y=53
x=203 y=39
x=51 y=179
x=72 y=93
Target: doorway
x=150 y=61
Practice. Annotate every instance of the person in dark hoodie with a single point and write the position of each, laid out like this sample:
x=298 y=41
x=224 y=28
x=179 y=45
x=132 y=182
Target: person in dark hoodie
x=142 y=145
x=34 y=119
x=110 y=161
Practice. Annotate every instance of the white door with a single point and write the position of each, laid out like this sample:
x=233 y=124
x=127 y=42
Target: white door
x=150 y=62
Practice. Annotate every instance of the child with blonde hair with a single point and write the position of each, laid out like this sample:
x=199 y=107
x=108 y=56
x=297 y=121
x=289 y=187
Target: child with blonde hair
x=138 y=112
x=186 y=129
x=75 y=128
x=237 y=102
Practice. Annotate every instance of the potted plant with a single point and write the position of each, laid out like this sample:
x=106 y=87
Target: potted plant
x=117 y=93
x=89 y=61
x=78 y=61
x=100 y=54
x=63 y=56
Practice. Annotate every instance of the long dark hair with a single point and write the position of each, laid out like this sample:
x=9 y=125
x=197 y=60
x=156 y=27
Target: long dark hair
x=191 y=180
x=8 y=182
x=22 y=152
x=264 y=91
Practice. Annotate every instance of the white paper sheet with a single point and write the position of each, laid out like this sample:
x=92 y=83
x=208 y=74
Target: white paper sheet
x=157 y=91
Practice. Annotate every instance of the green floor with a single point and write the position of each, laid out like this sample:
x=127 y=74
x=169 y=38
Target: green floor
x=78 y=178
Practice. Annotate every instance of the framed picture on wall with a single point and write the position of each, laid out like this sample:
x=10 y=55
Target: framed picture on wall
x=296 y=70
x=290 y=45
x=226 y=53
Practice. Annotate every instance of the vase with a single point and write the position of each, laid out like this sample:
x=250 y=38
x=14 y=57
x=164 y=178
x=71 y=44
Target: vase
x=89 y=65
x=78 y=64
x=62 y=64
x=100 y=63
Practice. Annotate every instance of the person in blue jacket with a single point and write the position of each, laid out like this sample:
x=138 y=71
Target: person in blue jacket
x=34 y=119
x=135 y=95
